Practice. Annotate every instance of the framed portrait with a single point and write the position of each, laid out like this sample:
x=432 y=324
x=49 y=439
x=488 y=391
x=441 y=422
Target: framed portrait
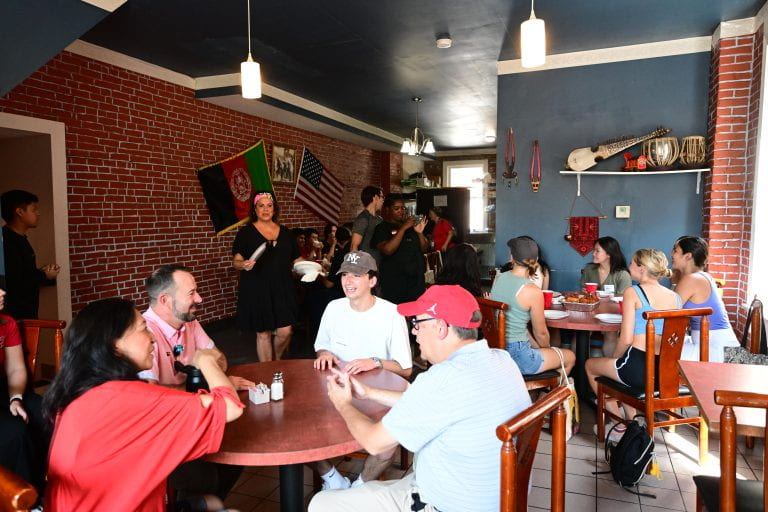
x=283 y=164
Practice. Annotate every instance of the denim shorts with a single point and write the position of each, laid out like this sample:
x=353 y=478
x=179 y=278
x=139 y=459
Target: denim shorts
x=528 y=359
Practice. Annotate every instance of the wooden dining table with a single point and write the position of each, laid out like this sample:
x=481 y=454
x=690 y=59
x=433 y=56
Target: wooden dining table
x=704 y=378
x=582 y=323
x=303 y=427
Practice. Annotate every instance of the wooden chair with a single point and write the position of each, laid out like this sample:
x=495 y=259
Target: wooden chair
x=495 y=332
x=30 y=334
x=519 y=437
x=15 y=493
x=663 y=391
x=434 y=261
x=756 y=326
x=725 y=493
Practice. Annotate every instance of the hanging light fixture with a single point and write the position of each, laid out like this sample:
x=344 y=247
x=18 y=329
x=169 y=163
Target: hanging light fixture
x=533 y=41
x=250 y=71
x=419 y=143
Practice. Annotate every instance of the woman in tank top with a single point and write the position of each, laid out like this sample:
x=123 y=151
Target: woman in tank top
x=526 y=302
x=627 y=365
x=697 y=289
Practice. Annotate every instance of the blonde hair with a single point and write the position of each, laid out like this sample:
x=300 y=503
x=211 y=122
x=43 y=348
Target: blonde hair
x=654 y=261
x=529 y=264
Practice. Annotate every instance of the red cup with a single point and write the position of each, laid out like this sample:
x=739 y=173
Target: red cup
x=547 y=298
x=590 y=287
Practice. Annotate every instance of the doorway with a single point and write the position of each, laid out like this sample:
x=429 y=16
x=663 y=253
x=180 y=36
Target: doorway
x=33 y=156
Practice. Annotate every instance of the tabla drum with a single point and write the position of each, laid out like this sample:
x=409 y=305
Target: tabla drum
x=661 y=153
x=693 y=152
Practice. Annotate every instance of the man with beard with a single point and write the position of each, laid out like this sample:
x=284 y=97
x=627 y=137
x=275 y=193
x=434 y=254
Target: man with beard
x=401 y=242
x=173 y=300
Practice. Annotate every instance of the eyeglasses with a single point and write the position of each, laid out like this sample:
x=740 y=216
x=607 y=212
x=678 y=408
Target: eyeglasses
x=177 y=350
x=415 y=322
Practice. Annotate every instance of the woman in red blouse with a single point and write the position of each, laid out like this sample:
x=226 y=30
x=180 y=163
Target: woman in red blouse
x=443 y=232
x=116 y=438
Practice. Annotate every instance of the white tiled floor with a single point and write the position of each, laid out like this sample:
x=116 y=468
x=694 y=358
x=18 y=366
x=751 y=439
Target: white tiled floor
x=677 y=454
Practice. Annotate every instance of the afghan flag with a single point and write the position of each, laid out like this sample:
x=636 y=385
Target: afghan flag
x=228 y=186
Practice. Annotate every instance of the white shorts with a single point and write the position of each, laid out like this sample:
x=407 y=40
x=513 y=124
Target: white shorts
x=718 y=340
x=381 y=496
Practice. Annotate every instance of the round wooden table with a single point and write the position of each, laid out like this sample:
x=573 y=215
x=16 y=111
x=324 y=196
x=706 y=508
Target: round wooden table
x=584 y=323
x=303 y=427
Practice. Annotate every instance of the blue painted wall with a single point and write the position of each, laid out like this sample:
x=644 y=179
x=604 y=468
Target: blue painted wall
x=576 y=107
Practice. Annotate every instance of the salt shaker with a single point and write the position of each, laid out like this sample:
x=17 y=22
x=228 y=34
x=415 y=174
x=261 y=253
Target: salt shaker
x=276 y=389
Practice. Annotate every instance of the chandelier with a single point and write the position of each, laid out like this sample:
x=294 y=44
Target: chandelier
x=419 y=143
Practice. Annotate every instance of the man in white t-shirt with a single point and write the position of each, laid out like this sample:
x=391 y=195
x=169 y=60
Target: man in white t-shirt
x=360 y=333
x=447 y=417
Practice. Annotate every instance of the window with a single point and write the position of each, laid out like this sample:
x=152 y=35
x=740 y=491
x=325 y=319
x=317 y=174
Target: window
x=471 y=174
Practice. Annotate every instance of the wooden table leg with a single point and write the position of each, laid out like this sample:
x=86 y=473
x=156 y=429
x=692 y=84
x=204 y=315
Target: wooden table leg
x=292 y=488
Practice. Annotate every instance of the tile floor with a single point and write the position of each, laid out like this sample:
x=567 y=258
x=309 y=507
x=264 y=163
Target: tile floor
x=677 y=454
x=258 y=489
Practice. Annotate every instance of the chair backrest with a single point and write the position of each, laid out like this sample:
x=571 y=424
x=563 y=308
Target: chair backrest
x=756 y=327
x=434 y=261
x=30 y=334
x=15 y=493
x=519 y=437
x=672 y=339
x=730 y=399
x=494 y=322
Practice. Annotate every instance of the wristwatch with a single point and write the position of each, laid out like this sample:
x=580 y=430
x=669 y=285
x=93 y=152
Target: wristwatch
x=14 y=398
x=378 y=362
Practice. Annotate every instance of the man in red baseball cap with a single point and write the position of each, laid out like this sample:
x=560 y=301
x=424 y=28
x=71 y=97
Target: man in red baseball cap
x=448 y=416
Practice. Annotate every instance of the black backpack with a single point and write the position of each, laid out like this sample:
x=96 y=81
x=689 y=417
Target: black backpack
x=630 y=458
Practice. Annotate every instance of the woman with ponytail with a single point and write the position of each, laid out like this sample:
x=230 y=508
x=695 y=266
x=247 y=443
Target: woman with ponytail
x=627 y=365
x=526 y=303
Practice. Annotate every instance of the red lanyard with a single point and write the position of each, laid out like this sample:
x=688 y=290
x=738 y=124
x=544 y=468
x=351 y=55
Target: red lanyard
x=536 y=160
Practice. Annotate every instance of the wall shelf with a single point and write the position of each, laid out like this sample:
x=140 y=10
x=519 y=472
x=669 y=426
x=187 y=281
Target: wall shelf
x=579 y=174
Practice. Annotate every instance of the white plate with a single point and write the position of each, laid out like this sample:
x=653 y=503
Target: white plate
x=609 y=318
x=554 y=314
x=306 y=267
x=617 y=299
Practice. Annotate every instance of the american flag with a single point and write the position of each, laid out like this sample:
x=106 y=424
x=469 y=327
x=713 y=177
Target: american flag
x=318 y=189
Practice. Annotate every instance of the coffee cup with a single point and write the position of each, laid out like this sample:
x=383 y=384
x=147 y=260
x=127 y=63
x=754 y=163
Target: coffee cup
x=590 y=287
x=547 y=298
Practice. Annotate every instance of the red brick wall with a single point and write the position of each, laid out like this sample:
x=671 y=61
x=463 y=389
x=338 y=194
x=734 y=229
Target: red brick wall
x=133 y=144
x=733 y=122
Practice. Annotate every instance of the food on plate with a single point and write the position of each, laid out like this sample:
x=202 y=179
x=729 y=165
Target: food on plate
x=580 y=298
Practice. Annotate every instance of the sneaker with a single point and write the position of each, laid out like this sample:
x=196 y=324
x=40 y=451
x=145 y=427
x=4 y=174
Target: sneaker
x=357 y=483
x=333 y=486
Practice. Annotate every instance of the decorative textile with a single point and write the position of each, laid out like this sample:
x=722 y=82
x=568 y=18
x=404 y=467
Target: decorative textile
x=228 y=185
x=318 y=189
x=584 y=233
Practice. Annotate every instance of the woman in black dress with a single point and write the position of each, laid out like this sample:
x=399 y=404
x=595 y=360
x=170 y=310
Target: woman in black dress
x=267 y=298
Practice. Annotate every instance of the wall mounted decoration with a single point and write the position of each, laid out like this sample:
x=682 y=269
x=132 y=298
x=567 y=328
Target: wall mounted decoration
x=283 y=164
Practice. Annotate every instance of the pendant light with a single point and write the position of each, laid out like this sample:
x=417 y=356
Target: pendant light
x=250 y=71
x=533 y=41
x=420 y=143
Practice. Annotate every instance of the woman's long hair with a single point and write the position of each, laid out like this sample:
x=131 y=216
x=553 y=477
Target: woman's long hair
x=461 y=266
x=90 y=357
x=612 y=247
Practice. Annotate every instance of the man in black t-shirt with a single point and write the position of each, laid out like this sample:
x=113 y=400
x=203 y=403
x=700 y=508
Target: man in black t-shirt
x=401 y=243
x=22 y=276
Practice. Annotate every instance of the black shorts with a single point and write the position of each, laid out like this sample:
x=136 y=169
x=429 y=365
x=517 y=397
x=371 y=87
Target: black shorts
x=631 y=368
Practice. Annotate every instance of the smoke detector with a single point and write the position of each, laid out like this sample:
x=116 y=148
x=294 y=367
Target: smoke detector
x=444 y=41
